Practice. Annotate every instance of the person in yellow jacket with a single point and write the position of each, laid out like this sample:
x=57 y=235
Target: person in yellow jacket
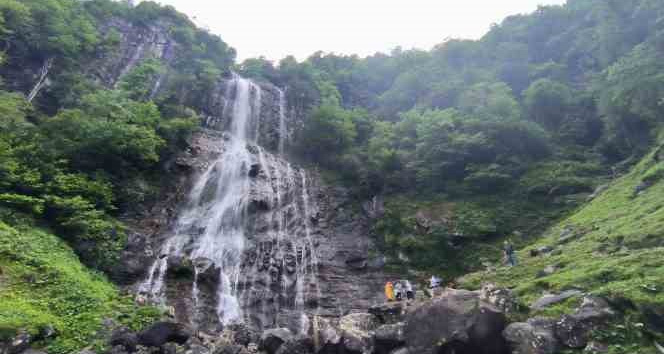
x=389 y=291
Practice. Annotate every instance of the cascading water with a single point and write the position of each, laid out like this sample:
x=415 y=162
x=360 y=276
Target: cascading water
x=247 y=221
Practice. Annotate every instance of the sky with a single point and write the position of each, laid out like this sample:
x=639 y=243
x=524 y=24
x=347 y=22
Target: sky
x=278 y=28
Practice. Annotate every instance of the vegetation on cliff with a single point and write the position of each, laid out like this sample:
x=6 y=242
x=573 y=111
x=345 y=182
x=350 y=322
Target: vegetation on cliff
x=468 y=143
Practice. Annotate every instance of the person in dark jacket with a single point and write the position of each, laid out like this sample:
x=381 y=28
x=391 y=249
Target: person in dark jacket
x=510 y=255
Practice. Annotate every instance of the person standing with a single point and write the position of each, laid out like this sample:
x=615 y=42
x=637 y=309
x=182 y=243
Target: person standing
x=410 y=292
x=389 y=291
x=398 y=290
x=510 y=255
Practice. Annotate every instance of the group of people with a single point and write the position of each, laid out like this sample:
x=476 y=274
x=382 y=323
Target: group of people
x=398 y=290
x=403 y=289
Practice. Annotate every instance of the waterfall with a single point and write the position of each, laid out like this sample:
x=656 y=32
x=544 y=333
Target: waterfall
x=282 y=121
x=43 y=74
x=264 y=255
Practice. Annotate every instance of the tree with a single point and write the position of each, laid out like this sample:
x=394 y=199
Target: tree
x=328 y=133
x=546 y=102
x=490 y=100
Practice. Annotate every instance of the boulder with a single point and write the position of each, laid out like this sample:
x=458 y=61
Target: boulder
x=124 y=337
x=327 y=336
x=455 y=322
x=161 y=333
x=533 y=337
x=17 y=344
x=231 y=349
x=389 y=312
x=272 y=339
x=551 y=299
x=389 y=337
x=298 y=345
x=569 y=233
x=574 y=330
x=501 y=298
x=548 y=270
x=357 y=332
x=542 y=250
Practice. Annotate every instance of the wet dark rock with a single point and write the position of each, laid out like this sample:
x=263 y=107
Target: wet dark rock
x=254 y=170
x=124 y=337
x=208 y=273
x=298 y=345
x=389 y=312
x=389 y=337
x=574 y=330
x=161 y=333
x=180 y=268
x=551 y=299
x=456 y=322
x=357 y=262
x=272 y=339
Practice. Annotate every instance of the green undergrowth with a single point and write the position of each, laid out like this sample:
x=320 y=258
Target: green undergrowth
x=44 y=285
x=616 y=250
x=462 y=233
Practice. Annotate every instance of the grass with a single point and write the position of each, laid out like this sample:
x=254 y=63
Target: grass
x=619 y=253
x=43 y=284
x=480 y=223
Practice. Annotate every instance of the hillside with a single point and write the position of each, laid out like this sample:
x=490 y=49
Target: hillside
x=52 y=299
x=610 y=247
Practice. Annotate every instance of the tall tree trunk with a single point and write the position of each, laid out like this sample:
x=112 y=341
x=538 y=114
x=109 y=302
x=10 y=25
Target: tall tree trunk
x=48 y=63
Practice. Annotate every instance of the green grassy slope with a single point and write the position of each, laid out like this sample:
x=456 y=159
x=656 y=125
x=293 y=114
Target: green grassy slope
x=617 y=249
x=42 y=283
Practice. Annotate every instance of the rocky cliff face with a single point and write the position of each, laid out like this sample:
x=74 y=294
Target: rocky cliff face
x=297 y=248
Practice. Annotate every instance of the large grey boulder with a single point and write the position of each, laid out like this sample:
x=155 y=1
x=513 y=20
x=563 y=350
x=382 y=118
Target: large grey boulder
x=161 y=333
x=574 y=330
x=124 y=337
x=455 y=322
x=533 y=337
x=272 y=339
x=298 y=345
x=389 y=337
x=17 y=344
x=357 y=332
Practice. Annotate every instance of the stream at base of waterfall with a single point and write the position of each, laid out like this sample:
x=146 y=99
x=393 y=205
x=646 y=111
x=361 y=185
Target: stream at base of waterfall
x=245 y=229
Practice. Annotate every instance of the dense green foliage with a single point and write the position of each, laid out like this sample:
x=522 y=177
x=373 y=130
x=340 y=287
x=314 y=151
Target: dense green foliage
x=43 y=284
x=80 y=154
x=537 y=112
